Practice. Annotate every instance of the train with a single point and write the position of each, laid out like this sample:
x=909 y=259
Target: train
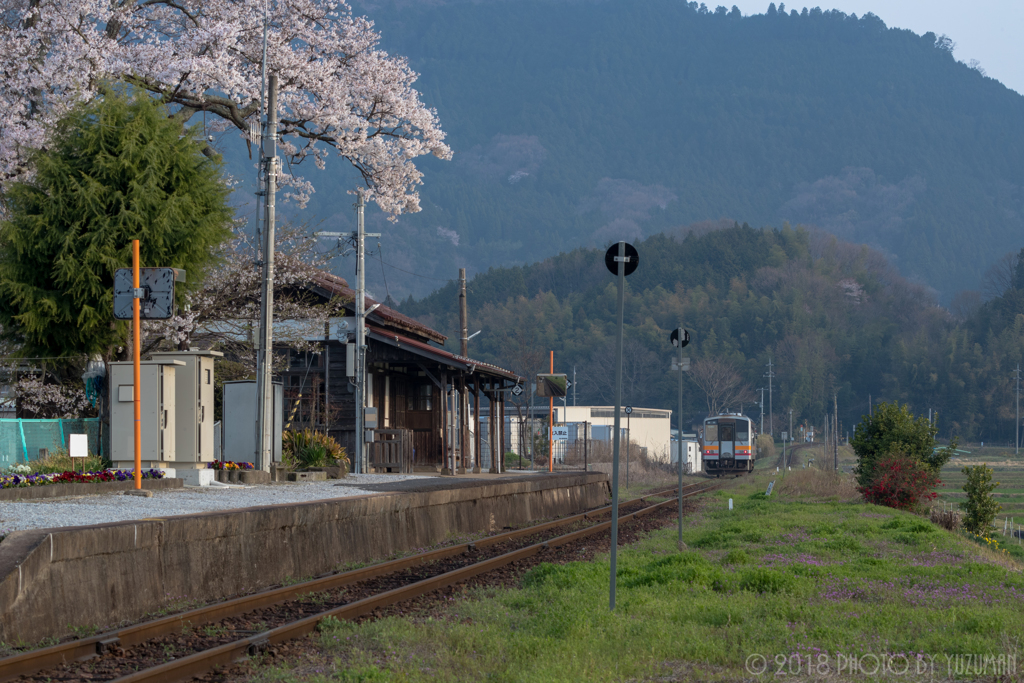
x=727 y=446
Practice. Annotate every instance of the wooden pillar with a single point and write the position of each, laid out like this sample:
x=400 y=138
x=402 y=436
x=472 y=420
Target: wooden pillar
x=476 y=426
x=492 y=436
x=463 y=424
x=445 y=462
x=501 y=427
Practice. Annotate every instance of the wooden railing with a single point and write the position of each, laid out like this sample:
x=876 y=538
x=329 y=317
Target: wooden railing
x=391 y=450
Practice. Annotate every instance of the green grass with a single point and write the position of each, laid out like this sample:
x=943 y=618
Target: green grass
x=776 y=578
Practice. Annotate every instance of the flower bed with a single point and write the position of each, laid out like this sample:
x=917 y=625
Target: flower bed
x=229 y=465
x=10 y=481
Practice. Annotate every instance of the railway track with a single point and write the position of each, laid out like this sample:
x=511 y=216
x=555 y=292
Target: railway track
x=189 y=644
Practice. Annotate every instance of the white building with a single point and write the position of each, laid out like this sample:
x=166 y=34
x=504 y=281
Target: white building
x=649 y=428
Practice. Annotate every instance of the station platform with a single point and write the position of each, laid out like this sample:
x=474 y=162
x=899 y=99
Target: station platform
x=54 y=580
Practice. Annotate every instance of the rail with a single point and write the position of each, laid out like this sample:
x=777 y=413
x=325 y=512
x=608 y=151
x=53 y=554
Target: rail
x=29 y=663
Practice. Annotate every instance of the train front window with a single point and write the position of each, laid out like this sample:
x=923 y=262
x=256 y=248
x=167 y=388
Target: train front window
x=742 y=432
x=710 y=432
x=727 y=431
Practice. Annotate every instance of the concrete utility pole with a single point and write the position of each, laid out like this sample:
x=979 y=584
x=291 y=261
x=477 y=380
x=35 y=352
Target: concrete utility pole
x=790 y=431
x=762 y=409
x=771 y=410
x=464 y=349
x=463 y=324
x=835 y=430
x=1016 y=425
x=265 y=356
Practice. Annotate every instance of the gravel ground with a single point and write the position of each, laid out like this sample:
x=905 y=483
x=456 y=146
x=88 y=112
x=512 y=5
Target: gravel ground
x=84 y=510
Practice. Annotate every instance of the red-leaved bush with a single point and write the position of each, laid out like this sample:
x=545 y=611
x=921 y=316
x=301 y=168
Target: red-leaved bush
x=900 y=482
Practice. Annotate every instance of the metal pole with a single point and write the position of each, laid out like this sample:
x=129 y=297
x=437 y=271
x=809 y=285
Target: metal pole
x=137 y=364
x=679 y=442
x=618 y=422
x=629 y=448
x=574 y=385
x=551 y=423
x=361 y=336
x=771 y=410
x=264 y=385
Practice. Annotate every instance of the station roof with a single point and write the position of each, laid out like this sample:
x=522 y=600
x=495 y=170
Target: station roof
x=333 y=285
x=439 y=355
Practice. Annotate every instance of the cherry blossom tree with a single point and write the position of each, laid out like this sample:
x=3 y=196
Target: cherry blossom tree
x=339 y=93
x=224 y=313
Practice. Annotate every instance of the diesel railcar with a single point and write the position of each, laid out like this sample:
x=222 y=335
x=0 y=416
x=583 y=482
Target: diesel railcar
x=728 y=444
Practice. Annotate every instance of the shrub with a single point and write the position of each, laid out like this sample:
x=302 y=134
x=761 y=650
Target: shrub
x=947 y=519
x=765 y=446
x=59 y=460
x=900 y=482
x=893 y=429
x=309 y=448
x=980 y=508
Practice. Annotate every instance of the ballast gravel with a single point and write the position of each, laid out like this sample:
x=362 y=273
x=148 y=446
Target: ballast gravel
x=100 y=509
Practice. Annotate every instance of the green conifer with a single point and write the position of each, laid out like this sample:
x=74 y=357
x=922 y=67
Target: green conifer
x=118 y=169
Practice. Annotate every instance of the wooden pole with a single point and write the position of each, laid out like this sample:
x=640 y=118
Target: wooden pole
x=477 y=455
x=137 y=365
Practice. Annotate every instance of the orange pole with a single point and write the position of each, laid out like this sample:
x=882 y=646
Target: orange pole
x=551 y=424
x=136 y=356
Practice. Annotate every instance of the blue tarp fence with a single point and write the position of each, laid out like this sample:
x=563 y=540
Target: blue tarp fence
x=20 y=440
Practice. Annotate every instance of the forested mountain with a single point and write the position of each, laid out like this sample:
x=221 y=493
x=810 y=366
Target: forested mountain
x=837 y=321
x=576 y=123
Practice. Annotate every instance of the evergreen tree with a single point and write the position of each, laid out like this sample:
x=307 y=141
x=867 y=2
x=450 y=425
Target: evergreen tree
x=117 y=170
x=980 y=508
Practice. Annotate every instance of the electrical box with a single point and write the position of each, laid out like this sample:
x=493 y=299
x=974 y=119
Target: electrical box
x=238 y=421
x=194 y=402
x=158 y=401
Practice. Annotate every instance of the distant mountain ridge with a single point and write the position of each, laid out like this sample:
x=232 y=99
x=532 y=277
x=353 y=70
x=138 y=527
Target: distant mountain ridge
x=578 y=123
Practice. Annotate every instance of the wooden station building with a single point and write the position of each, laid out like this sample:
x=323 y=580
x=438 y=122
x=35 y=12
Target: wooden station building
x=426 y=397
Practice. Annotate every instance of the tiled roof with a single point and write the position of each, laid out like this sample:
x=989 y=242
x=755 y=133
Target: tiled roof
x=387 y=316
x=439 y=354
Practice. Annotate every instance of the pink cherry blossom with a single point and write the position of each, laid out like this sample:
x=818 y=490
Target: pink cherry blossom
x=339 y=93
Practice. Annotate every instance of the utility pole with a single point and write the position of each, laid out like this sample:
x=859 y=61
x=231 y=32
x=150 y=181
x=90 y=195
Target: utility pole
x=786 y=463
x=265 y=356
x=762 y=409
x=835 y=430
x=463 y=325
x=359 y=242
x=771 y=410
x=1016 y=425
x=464 y=393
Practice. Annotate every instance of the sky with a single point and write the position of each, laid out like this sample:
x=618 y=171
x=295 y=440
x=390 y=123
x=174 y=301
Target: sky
x=985 y=30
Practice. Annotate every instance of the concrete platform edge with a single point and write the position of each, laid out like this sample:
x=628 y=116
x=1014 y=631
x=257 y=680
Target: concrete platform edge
x=54 y=580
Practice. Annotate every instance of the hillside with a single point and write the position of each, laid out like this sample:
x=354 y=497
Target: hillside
x=577 y=123
x=838 y=322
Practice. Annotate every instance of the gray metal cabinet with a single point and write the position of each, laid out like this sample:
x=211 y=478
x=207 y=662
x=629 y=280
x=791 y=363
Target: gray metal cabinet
x=158 y=400
x=194 y=398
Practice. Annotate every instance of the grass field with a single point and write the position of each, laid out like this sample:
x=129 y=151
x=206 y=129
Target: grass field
x=801 y=585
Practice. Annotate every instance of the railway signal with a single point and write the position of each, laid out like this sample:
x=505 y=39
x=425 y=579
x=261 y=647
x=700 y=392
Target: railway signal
x=680 y=338
x=621 y=259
